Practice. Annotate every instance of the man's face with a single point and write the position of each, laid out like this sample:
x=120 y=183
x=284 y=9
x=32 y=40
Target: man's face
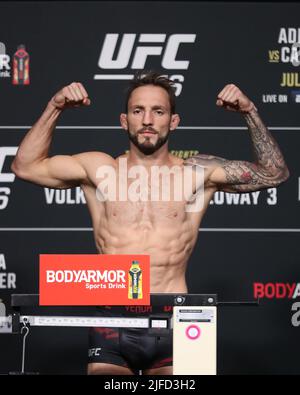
x=149 y=120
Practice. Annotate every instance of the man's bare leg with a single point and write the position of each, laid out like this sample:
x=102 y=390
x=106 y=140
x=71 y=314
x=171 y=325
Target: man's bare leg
x=107 y=368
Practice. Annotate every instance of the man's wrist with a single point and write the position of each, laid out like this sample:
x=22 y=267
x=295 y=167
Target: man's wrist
x=251 y=110
x=51 y=113
x=53 y=108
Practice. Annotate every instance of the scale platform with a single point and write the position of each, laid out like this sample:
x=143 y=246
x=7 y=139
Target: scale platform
x=194 y=326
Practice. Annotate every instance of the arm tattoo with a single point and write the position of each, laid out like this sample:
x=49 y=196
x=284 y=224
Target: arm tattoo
x=266 y=150
x=269 y=169
x=242 y=176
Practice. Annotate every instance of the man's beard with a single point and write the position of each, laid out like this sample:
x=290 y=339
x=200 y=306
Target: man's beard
x=147 y=148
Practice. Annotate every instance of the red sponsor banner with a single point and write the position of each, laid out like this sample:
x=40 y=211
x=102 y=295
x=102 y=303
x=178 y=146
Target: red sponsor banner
x=74 y=280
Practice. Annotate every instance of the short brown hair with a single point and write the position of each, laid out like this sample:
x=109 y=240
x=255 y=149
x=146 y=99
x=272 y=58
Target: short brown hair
x=142 y=78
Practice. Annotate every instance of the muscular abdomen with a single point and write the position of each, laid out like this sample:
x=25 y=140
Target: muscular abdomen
x=162 y=230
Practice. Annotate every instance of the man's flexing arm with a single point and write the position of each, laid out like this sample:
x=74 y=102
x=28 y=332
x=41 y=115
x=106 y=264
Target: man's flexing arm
x=32 y=162
x=268 y=170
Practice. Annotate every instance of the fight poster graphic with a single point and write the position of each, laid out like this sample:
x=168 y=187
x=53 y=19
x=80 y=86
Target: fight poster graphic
x=93 y=279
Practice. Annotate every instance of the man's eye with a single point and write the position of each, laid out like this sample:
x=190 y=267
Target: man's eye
x=159 y=112
x=136 y=111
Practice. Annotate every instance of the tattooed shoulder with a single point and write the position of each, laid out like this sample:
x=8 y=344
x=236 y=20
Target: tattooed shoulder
x=205 y=160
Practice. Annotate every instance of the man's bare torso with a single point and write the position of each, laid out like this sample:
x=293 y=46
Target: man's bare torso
x=162 y=229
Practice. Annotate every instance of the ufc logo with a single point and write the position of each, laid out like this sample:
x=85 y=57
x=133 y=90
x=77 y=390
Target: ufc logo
x=94 y=352
x=5 y=177
x=4 y=152
x=109 y=60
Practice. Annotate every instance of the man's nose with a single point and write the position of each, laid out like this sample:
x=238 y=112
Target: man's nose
x=148 y=118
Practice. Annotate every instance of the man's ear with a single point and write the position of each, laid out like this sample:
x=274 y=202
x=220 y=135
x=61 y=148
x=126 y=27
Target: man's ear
x=123 y=121
x=175 y=119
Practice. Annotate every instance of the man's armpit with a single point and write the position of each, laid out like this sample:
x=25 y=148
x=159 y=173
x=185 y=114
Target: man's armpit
x=209 y=161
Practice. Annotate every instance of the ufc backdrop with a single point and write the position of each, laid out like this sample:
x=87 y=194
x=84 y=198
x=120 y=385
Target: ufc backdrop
x=248 y=245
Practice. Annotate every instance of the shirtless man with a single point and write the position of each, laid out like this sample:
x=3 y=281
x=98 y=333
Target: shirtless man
x=164 y=230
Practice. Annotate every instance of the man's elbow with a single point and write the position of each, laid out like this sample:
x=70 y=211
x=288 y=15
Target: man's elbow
x=287 y=174
x=15 y=168
x=282 y=176
x=19 y=170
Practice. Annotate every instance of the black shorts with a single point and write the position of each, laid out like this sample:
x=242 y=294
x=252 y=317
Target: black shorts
x=132 y=348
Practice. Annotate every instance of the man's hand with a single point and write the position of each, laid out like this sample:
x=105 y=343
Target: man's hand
x=73 y=95
x=233 y=99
